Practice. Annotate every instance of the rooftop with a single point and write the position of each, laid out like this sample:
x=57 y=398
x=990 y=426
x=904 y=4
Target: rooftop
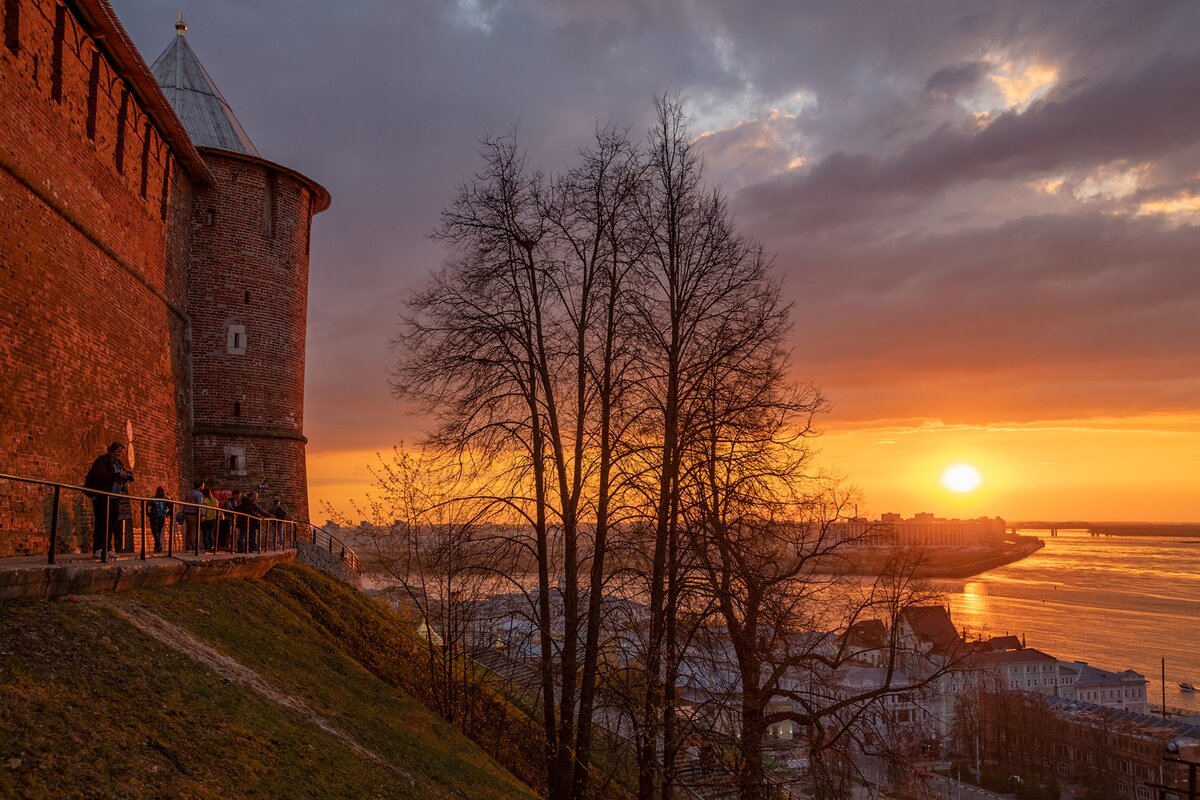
x=197 y=101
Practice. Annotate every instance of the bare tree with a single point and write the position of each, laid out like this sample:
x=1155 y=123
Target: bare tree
x=522 y=347
x=426 y=540
x=603 y=356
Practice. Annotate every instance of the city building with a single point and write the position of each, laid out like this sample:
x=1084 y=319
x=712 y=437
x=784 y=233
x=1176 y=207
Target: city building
x=1090 y=750
x=922 y=530
x=926 y=530
x=155 y=272
x=1125 y=690
x=1025 y=669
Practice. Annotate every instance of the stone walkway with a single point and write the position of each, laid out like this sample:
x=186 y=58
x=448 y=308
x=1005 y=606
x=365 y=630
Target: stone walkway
x=76 y=573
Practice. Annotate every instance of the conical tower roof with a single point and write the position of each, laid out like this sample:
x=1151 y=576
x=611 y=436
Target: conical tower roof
x=197 y=101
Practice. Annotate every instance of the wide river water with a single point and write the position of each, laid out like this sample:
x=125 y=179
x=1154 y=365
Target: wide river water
x=1114 y=602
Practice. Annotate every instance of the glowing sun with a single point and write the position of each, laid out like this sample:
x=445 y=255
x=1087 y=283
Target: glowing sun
x=961 y=478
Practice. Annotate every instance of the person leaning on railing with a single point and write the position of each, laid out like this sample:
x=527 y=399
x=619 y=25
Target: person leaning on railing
x=228 y=521
x=254 y=514
x=107 y=474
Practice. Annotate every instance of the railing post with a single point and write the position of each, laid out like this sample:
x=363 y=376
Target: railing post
x=54 y=526
x=143 y=505
x=171 y=531
x=107 y=528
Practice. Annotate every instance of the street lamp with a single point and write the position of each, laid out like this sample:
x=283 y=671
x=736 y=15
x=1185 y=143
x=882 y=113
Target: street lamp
x=1181 y=751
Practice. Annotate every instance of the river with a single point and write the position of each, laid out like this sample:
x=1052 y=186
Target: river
x=1114 y=602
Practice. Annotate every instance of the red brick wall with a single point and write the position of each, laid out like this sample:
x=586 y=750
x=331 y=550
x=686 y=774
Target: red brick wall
x=249 y=272
x=92 y=280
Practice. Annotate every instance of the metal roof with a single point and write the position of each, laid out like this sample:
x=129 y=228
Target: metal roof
x=197 y=101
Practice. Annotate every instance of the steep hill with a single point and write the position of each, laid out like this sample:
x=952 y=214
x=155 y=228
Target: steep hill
x=292 y=686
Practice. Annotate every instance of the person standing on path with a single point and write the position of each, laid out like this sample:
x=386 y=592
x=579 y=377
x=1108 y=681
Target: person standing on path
x=255 y=513
x=229 y=521
x=107 y=474
x=191 y=515
x=208 y=521
x=157 y=512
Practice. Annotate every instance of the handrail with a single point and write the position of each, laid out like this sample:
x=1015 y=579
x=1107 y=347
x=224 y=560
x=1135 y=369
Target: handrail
x=326 y=540
x=254 y=534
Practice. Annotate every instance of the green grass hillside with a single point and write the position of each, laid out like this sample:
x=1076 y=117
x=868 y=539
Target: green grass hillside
x=289 y=687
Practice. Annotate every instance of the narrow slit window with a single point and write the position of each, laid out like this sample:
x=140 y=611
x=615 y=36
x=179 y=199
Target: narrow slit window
x=122 y=119
x=237 y=408
x=93 y=95
x=235 y=459
x=246 y=297
x=166 y=189
x=268 y=228
x=12 y=25
x=56 y=59
x=236 y=340
x=145 y=159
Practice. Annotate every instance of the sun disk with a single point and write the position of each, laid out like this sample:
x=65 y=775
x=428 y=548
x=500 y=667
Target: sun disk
x=961 y=478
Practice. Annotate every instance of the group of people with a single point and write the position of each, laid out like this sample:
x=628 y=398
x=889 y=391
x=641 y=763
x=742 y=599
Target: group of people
x=201 y=513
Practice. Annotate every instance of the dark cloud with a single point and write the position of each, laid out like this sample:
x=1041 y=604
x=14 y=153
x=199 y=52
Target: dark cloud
x=949 y=82
x=1137 y=117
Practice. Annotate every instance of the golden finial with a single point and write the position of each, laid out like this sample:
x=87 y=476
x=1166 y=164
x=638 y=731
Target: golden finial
x=180 y=26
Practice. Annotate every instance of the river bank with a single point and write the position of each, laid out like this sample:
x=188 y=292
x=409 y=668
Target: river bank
x=1117 y=603
x=943 y=562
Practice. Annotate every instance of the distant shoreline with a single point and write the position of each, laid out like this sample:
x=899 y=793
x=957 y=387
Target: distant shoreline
x=1186 y=529
x=952 y=562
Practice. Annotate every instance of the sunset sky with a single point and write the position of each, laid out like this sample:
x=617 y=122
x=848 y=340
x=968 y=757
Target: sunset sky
x=986 y=214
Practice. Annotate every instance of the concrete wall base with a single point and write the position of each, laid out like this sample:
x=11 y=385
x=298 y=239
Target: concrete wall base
x=57 y=580
x=330 y=563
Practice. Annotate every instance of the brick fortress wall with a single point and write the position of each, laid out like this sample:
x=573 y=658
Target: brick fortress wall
x=249 y=301
x=93 y=244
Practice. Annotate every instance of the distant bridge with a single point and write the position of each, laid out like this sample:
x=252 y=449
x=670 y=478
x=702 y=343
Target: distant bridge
x=1112 y=528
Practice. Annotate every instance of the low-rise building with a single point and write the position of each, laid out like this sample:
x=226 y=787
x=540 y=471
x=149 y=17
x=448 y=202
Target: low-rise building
x=1125 y=690
x=1027 y=670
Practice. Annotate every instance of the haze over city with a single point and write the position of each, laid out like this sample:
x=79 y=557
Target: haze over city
x=985 y=214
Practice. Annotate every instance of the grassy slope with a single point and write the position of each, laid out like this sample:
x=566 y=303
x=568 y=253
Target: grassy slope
x=91 y=707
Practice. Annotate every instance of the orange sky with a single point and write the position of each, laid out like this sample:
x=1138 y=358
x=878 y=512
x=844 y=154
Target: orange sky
x=1136 y=468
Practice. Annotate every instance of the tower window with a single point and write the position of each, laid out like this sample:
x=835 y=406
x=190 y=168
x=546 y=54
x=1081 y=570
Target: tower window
x=210 y=217
x=236 y=340
x=235 y=459
x=237 y=408
x=246 y=297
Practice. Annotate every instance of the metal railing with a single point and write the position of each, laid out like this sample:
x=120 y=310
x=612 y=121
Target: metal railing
x=327 y=541
x=226 y=531
x=206 y=529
